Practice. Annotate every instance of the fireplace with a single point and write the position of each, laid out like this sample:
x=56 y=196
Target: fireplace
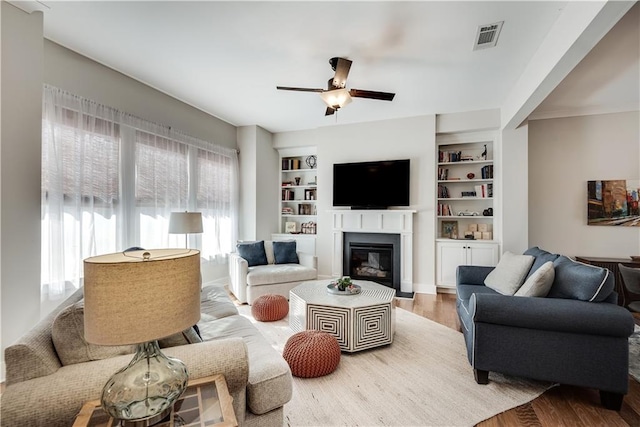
x=373 y=227
x=372 y=256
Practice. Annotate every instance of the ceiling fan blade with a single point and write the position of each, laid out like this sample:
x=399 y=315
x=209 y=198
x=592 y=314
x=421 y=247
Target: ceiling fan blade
x=342 y=67
x=299 y=89
x=329 y=111
x=382 y=96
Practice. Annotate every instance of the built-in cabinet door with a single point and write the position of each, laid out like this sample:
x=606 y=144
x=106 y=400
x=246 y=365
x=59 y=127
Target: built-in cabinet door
x=451 y=254
x=482 y=254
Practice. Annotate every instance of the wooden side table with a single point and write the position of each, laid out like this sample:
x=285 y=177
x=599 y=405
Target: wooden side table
x=205 y=402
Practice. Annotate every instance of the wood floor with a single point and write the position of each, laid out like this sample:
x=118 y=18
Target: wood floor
x=559 y=406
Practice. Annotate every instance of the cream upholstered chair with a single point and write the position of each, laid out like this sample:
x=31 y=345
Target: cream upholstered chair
x=631 y=281
x=250 y=280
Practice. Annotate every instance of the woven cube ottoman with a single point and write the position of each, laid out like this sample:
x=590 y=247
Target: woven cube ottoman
x=269 y=308
x=312 y=354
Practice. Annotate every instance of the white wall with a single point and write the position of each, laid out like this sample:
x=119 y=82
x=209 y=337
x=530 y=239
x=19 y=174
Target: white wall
x=563 y=155
x=412 y=138
x=513 y=194
x=80 y=75
x=248 y=172
x=267 y=185
x=259 y=163
x=20 y=153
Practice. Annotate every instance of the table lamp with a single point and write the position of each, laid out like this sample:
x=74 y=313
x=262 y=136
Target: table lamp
x=138 y=297
x=185 y=223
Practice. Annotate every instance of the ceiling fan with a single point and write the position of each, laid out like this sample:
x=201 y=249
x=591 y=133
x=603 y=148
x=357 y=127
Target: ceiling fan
x=336 y=95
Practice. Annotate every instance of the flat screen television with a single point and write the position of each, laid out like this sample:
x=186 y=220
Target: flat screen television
x=371 y=185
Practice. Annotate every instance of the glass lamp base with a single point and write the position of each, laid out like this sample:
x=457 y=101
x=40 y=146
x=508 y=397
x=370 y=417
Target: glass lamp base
x=143 y=392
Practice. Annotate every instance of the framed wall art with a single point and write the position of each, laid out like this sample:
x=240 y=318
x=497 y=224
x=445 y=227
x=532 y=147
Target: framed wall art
x=613 y=202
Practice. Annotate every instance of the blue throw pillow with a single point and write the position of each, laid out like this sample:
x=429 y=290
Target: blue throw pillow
x=253 y=252
x=541 y=257
x=285 y=252
x=575 y=280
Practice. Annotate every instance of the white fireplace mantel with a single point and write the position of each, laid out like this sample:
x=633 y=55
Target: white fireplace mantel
x=375 y=221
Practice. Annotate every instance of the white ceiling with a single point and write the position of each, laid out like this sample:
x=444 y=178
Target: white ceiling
x=226 y=58
x=607 y=80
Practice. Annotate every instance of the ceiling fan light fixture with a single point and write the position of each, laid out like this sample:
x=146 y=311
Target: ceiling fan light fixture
x=336 y=98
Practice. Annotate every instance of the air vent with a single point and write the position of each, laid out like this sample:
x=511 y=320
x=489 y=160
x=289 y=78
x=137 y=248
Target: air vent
x=487 y=35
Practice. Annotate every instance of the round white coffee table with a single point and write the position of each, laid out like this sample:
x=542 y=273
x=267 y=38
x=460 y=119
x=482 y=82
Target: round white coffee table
x=358 y=322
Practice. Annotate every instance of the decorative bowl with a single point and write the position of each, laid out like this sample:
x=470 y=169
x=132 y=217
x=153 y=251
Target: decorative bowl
x=354 y=289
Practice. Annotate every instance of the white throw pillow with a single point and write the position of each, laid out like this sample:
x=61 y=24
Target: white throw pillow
x=509 y=274
x=539 y=283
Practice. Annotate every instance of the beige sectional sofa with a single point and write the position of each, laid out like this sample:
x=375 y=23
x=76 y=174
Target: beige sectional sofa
x=248 y=283
x=42 y=392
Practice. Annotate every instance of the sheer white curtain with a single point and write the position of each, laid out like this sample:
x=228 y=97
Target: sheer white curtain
x=176 y=172
x=162 y=186
x=217 y=199
x=110 y=181
x=80 y=186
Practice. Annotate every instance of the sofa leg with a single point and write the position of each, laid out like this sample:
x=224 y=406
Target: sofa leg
x=611 y=400
x=482 y=377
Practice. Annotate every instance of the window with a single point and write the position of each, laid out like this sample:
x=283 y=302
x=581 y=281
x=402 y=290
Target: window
x=218 y=209
x=110 y=181
x=161 y=185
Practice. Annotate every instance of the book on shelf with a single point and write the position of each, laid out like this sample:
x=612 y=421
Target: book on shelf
x=443 y=174
x=310 y=194
x=484 y=190
x=306 y=209
x=449 y=156
x=443 y=192
x=487 y=172
x=444 y=209
x=290 y=164
x=288 y=194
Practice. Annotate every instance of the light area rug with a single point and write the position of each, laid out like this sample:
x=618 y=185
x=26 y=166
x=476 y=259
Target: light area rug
x=422 y=379
x=634 y=354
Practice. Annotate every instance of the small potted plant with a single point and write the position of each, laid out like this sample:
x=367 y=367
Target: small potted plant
x=344 y=283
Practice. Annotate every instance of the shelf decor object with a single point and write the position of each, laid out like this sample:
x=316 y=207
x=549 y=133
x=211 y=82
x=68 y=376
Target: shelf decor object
x=185 y=223
x=450 y=229
x=311 y=161
x=138 y=297
x=290 y=227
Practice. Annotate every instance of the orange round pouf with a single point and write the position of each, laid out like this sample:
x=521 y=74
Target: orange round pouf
x=312 y=354
x=269 y=308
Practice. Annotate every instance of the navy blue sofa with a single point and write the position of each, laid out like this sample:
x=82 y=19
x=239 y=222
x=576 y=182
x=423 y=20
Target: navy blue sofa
x=577 y=335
